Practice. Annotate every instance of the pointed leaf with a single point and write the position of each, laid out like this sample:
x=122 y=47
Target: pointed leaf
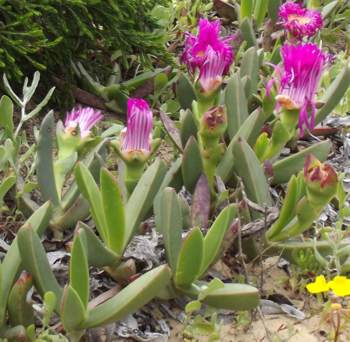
x=248 y=168
x=98 y=255
x=250 y=67
x=6 y=115
x=250 y=131
x=190 y=259
x=91 y=192
x=283 y=169
x=172 y=130
x=248 y=32
x=260 y=11
x=169 y=222
x=5 y=186
x=236 y=104
x=79 y=269
x=73 y=312
x=246 y=9
x=45 y=164
x=185 y=92
x=188 y=127
x=141 y=200
x=35 y=262
x=215 y=236
x=130 y=299
x=114 y=211
x=191 y=164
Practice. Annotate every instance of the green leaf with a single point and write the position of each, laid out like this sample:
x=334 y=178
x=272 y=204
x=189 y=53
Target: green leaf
x=61 y=168
x=328 y=9
x=129 y=299
x=79 y=269
x=114 y=211
x=50 y=301
x=185 y=92
x=20 y=311
x=90 y=191
x=45 y=164
x=172 y=130
x=35 y=262
x=236 y=105
x=215 y=236
x=188 y=127
x=252 y=174
x=189 y=259
x=6 y=115
x=191 y=164
x=234 y=297
x=250 y=68
x=169 y=222
x=97 y=253
x=248 y=32
x=273 y=8
x=5 y=186
x=11 y=264
x=334 y=94
x=260 y=11
x=250 y=131
x=246 y=9
x=141 y=200
x=283 y=169
x=73 y=312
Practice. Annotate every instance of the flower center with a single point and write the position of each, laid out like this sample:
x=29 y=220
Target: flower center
x=300 y=19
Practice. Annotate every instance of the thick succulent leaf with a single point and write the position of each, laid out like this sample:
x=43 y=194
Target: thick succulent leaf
x=92 y=194
x=114 y=211
x=200 y=209
x=12 y=262
x=45 y=163
x=172 y=130
x=6 y=115
x=5 y=186
x=169 y=222
x=61 y=169
x=188 y=127
x=20 y=311
x=283 y=169
x=191 y=164
x=141 y=200
x=250 y=131
x=215 y=236
x=236 y=104
x=73 y=311
x=250 y=67
x=334 y=94
x=130 y=299
x=185 y=92
x=328 y=9
x=248 y=32
x=273 y=8
x=246 y=9
x=79 y=269
x=97 y=253
x=234 y=297
x=260 y=10
x=252 y=174
x=35 y=261
x=189 y=259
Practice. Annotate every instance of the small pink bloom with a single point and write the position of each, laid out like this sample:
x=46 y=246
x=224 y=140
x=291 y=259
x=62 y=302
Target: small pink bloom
x=301 y=72
x=139 y=126
x=299 y=21
x=207 y=52
x=83 y=118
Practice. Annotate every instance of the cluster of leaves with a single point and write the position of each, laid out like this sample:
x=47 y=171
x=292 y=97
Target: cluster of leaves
x=50 y=35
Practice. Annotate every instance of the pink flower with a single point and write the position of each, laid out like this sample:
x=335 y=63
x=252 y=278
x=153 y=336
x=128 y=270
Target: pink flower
x=300 y=74
x=139 y=126
x=82 y=118
x=211 y=54
x=298 y=21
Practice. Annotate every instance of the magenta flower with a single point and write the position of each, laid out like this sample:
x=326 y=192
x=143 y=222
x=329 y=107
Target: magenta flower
x=299 y=21
x=83 y=118
x=139 y=126
x=300 y=74
x=209 y=53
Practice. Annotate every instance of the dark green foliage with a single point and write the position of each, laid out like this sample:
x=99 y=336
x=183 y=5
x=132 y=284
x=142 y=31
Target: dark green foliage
x=50 y=34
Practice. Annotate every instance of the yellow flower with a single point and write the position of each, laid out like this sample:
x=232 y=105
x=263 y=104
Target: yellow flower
x=318 y=286
x=340 y=286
